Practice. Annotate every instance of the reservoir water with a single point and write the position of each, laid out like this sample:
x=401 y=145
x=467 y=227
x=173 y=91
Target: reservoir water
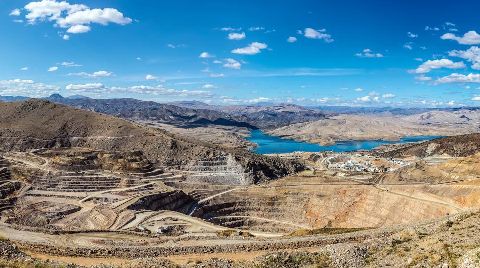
x=268 y=144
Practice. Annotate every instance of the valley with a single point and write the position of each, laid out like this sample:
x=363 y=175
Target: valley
x=87 y=187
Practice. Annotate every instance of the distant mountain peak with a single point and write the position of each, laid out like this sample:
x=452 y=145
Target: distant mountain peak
x=56 y=96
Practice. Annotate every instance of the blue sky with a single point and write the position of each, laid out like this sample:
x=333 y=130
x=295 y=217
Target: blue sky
x=363 y=53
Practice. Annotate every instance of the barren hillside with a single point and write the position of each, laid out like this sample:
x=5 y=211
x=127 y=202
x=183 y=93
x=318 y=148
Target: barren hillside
x=37 y=124
x=382 y=127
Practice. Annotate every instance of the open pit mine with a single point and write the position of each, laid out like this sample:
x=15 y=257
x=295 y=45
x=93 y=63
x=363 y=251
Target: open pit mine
x=83 y=188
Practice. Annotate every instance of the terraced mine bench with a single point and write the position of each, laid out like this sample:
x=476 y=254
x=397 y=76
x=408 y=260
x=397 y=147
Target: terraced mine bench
x=222 y=170
x=77 y=183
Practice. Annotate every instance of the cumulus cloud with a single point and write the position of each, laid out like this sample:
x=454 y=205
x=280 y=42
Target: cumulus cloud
x=158 y=90
x=388 y=96
x=96 y=74
x=256 y=28
x=230 y=29
x=291 y=39
x=76 y=18
x=252 y=49
x=318 y=34
x=24 y=68
x=86 y=87
x=70 y=64
x=150 y=77
x=429 y=65
x=408 y=45
x=412 y=35
x=161 y=90
x=429 y=28
x=232 y=64
x=460 y=78
x=205 y=55
x=368 y=53
x=25 y=87
x=236 y=36
x=358 y=89
x=15 y=12
x=76 y=29
x=208 y=86
x=423 y=78
x=472 y=55
x=368 y=98
x=52 y=69
x=469 y=38
x=258 y=100
x=476 y=98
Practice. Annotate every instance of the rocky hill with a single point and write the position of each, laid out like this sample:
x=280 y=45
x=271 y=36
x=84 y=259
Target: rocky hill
x=382 y=127
x=153 y=111
x=457 y=146
x=35 y=124
x=274 y=116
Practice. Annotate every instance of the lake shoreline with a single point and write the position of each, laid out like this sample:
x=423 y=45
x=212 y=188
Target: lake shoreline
x=266 y=143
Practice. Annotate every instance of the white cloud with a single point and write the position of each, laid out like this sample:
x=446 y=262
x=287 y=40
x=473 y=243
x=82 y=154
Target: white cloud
x=158 y=90
x=161 y=90
x=76 y=18
x=236 y=36
x=408 y=45
x=217 y=61
x=150 y=77
x=232 y=64
x=368 y=53
x=25 y=87
x=66 y=37
x=291 y=39
x=86 y=87
x=252 y=49
x=469 y=38
x=15 y=12
x=423 y=78
x=170 y=45
x=388 y=96
x=230 y=29
x=208 y=86
x=258 y=100
x=96 y=74
x=76 y=29
x=476 y=98
x=216 y=75
x=438 y=64
x=358 y=89
x=256 y=28
x=24 y=69
x=472 y=55
x=368 y=98
x=412 y=35
x=53 y=69
x=318 y=34
x=428 y=28
x=70 y=64
x=205 y=55
x=460 y=78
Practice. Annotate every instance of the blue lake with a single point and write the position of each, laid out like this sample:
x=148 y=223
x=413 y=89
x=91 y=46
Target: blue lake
x=268 y=144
